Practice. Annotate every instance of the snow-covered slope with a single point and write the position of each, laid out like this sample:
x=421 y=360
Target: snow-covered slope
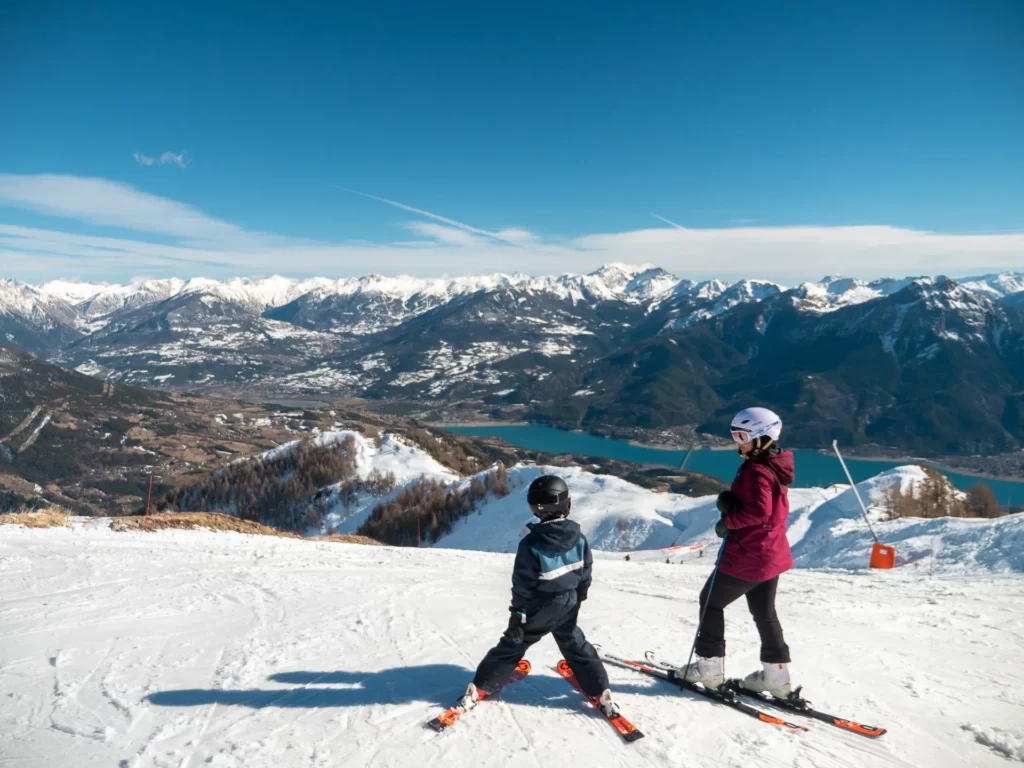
x=72 y=291
x=115 y=298
x=830 y=532
x=832 y=293
x=33 y=319
x=826 y=528
x=1002 y=285
x=18 y=299
x=181 y=649
x=391 y=455
x=713 y=298
x=614 y=514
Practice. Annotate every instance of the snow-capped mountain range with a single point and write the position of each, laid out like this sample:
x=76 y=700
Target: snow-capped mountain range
x=91 y=306
x=627 y=344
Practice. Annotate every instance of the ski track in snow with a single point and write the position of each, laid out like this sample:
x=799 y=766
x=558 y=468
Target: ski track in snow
x=183 y=649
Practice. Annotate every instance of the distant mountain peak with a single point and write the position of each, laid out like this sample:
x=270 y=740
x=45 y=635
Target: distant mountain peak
x=621 y=268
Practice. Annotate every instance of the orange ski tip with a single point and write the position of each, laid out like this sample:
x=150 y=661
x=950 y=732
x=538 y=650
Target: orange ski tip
x=623 y=726
x=524 y=667
x=563 y=666
x=867 y=730
x=449 y=717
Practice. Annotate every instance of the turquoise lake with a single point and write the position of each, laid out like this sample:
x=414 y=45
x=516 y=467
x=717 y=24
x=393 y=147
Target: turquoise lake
x=812 y=468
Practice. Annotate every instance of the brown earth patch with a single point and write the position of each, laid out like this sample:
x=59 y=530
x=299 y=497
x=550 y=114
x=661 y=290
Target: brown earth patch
x=54 y=517
x=216 y=522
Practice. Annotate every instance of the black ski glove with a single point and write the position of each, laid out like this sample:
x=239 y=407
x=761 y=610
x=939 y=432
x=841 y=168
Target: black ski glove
x=727 y=502
x=720 y=528
x=516 y=626
x=581 y=595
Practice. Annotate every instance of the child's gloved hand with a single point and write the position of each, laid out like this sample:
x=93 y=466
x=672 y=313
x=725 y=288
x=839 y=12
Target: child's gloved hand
x=516 y=627
x=720 y=528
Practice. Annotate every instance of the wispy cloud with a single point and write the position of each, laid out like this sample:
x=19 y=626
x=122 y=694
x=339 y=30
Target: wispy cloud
x=115 y=204
x=443 y=234
x=180 y=159
x=174 y=238
x=517 y=235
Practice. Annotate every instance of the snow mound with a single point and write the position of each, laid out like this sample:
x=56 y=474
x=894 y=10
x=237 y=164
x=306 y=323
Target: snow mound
x=615 y=515
x=391 y=455
x=829 y=532
x=1008 y=742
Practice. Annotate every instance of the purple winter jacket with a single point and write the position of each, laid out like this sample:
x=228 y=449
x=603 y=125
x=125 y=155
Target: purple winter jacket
x=757 y=549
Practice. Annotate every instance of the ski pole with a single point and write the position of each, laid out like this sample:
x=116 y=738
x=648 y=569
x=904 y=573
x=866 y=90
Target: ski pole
x=703 y=613
x=835 y=447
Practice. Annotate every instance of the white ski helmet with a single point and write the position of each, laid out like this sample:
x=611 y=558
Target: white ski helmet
x=752 y=423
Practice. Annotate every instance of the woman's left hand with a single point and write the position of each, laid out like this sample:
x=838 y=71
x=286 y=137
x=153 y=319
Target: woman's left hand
x=727 y=502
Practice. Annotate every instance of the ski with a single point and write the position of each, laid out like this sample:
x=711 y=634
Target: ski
x=727 y=697
x=794 y=703
x=626 y=729
x=450 y=716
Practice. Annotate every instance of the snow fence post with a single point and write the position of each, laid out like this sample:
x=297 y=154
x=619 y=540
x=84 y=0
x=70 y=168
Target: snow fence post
x=882 y=556
x=149 y=498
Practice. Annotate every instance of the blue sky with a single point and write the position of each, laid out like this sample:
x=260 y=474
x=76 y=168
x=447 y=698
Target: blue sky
x=782 y=140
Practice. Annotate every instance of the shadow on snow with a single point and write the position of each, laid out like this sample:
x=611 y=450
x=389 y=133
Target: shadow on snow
x=436 y=684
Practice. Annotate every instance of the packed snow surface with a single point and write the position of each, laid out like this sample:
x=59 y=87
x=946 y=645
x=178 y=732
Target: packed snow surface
x=215 y=649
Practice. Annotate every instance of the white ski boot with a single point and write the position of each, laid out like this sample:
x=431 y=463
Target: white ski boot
x=609 y=707
x=469 y=699
x=773 y=679
x=708 y=672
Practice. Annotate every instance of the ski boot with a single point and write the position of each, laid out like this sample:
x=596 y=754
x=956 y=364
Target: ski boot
x=709 y=672
x=469 y=699
x=609 y=707
x=773 y=679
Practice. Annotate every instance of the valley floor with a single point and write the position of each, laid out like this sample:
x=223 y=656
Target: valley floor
x=216 y=649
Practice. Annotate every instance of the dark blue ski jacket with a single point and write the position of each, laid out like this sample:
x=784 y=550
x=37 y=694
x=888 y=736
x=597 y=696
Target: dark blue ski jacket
x=553 y=558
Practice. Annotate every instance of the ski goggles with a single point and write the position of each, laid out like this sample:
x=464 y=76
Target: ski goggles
x=740 y=436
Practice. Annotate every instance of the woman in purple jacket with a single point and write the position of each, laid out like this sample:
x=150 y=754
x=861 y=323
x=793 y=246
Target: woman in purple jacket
x=756 y=552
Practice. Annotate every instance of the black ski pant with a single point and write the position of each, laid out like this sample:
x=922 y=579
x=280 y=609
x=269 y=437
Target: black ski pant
x=760 y=601
x=559 y=618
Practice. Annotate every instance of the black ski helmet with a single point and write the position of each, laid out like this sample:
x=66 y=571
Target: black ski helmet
x=548 y=497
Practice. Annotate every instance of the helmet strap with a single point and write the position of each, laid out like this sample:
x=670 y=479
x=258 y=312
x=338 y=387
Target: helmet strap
x=762 y=446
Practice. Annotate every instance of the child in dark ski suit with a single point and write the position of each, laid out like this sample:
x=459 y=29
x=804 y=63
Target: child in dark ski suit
x=550 y=580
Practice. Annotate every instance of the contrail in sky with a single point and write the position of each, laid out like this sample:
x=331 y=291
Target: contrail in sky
x=429 y=215
x=662 y=218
